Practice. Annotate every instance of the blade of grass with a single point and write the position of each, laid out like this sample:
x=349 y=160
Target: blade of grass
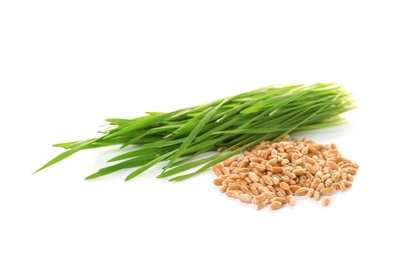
x=67 y=153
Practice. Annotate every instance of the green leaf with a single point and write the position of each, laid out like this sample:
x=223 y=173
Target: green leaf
x=148 y=165
x=67 y=153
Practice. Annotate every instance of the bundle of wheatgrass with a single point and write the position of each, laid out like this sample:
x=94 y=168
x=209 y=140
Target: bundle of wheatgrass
x=236 y=122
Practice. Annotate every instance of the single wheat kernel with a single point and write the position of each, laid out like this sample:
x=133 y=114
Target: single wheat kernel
x=232 y=194
x=268 y=194
x=316 y=195
x=258 y=199
x=275 y=205
x=225 y=170
x=242 y=170
x=332 y=164
x=350 y=170
x=260 y=206
x=256 y=159
x=326 y=201
x=291 y=175
x=234 y=176
x=218 y=181
x=273 y=161
x=217 y=167
x=336 y=176
x=260 y=167
x=301 y=191
x=348 y=184
x=299 y=172
x=283 y=185
x=290 y=200
x=310 y=160
x=294 y=157
x=234 y=186
x=253 y=177
x=312 y=149
x=277 y=169
x=245 y=198
x=228 y=162
x=327 y=191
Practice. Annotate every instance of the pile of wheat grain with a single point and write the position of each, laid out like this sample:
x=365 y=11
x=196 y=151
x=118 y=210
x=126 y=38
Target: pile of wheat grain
x=273 y=173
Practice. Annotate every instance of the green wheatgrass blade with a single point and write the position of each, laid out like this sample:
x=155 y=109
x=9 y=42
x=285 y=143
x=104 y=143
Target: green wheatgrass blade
x=96 y=144
x=170 y=127
x=135 y=153
x=186 y=166
x=197 y=149
x=134 y=139
x=135 y=162
x=65 y=145
x=277 y=100
x=148 y=165
x=189 y=125
x=67 y=153
x=118 y=121
x=188 y=157
x=153 y=113
x=140 y=124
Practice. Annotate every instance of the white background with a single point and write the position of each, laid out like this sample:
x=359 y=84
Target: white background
x=65 y=66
